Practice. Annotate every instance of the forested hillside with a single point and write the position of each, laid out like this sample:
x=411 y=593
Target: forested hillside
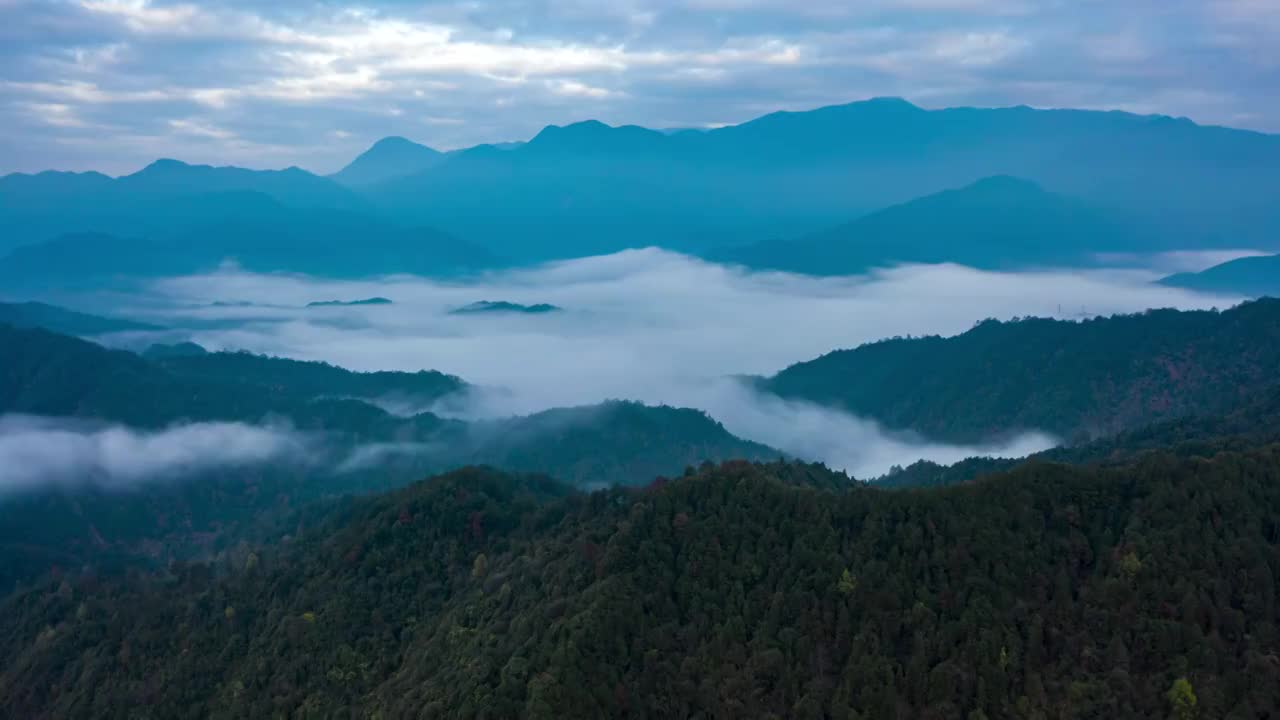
x=1256 y=423
x=354 y=447
x=1142 y=591
x=44 y=373
x=1078 y=380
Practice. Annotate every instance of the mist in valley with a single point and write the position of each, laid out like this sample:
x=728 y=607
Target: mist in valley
x=646 y=325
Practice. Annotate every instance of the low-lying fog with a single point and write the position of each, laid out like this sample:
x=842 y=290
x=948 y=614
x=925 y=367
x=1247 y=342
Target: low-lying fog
x=645 y=325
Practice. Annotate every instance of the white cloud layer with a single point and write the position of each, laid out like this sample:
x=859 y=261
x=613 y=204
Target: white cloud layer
x=37 y=451
x=647 y=325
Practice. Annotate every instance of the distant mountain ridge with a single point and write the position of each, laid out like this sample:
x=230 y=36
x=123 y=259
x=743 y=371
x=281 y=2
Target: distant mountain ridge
x=999 y=222
x=1248 y=276
x=587 y=188
x=67 y=322
x=331 y=243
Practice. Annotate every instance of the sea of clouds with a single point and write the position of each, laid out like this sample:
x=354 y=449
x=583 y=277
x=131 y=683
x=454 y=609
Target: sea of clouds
x=647 y=325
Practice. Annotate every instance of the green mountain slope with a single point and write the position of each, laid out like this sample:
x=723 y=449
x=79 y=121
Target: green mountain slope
x=1077 y=380
x=1051 y=592
x=1256 y=423
x=354 y=447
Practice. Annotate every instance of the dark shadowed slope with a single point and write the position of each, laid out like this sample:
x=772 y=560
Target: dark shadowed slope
x=1074 y=379
x=49 y=374
x=628 y=442
x=1255 y=423
x=736 y=592
x=997 y=223
x=387 y=159
x=327 y=243
x=1249 y=276
x=61 y=320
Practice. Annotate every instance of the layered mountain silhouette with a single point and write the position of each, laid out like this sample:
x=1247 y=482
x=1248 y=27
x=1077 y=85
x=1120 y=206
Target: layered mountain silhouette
x=163 y=198
x=62 y=320
x=588 y=188
x=997 y=222
x=332 y=243
x=1247 y=276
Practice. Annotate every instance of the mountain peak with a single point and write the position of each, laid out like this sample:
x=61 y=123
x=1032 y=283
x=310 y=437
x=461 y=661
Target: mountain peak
x=887 y=101
x=389 y=158
x=165 y=165
x=398 y=143
x=580 y=128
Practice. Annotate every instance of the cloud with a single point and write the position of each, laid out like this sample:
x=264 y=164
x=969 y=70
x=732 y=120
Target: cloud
x=35 y=452
x=647 y=325
x=287 y=74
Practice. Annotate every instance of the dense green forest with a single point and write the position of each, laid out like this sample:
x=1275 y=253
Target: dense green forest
x=360 y=447
x=741 y=590
x=45 y=373
x=1257 y=422
x=1078 y=380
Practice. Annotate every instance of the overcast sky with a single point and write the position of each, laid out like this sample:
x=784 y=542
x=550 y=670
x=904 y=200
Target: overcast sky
x=113 y=84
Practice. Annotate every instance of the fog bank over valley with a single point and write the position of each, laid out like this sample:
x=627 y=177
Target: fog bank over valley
x=646 y=325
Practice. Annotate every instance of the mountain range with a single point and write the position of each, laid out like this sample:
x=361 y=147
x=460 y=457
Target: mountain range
x=1116 y=181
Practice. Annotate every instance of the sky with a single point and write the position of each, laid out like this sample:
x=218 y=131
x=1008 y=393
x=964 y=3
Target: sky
x=112 y=84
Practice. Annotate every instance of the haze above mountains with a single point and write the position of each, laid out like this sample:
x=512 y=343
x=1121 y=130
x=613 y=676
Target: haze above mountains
x=835 y=190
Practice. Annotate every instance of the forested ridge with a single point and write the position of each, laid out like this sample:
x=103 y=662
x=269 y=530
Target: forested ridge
x=1255 y=423
x=356 y=447
x=1131 y=575
x=737 y=591
x=1078 y=380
